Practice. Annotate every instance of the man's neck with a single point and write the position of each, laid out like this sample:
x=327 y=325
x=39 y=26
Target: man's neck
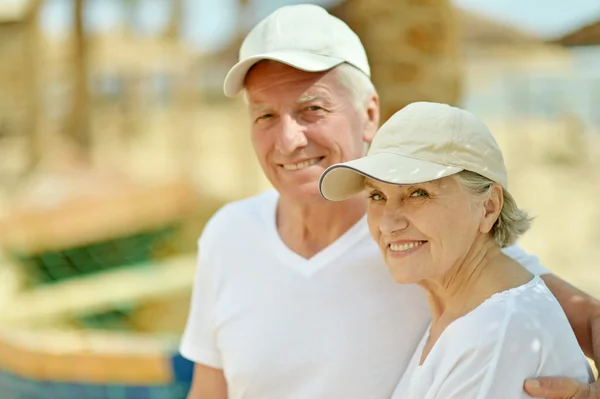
x=309 y=228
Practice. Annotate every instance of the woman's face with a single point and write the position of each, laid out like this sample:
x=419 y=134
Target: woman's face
x=423 y=230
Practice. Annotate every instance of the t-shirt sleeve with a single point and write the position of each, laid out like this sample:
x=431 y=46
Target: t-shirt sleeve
x=492 y=364
x=530 y=262
x=198 y=342
x=482 y=375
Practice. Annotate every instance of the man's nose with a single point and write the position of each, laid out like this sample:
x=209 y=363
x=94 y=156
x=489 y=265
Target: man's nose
x=291 y=136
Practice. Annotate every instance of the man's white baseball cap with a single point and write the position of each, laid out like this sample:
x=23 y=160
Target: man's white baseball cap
x=420 y=143
x=303 y=36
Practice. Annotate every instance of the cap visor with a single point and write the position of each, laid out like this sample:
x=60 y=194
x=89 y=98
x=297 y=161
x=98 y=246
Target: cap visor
x=234 y=81
x=342 y=181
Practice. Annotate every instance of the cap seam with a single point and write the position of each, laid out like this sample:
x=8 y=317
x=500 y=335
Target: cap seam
x=452 y=138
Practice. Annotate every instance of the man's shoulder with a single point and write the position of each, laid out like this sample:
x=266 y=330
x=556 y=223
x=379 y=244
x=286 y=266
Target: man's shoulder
x=239 y=214
x=246 y=206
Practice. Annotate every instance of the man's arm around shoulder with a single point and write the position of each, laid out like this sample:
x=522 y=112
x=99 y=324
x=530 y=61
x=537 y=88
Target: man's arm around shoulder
x=583 y=312
x=208 y=383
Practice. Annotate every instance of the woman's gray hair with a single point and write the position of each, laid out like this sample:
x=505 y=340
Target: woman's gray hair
x=512 y=221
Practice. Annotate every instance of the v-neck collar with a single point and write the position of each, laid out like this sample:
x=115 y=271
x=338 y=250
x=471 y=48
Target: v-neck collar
x=309 y=267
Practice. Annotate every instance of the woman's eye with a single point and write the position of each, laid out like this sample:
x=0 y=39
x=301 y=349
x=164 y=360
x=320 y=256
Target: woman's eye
x=376 y=197
x=419 y=193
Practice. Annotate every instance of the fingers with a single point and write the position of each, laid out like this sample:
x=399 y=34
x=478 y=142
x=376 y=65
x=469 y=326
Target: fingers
x=595 y=327
x=558 y=388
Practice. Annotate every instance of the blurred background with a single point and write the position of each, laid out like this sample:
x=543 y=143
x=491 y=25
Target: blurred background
x=117 y=145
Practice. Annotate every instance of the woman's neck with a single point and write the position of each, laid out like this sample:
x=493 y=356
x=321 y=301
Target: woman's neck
x=484 y=271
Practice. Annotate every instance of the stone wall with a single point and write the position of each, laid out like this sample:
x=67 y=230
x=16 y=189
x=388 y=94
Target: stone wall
x=413 y=47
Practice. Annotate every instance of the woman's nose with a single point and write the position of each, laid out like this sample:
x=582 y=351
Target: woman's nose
x=393 y=220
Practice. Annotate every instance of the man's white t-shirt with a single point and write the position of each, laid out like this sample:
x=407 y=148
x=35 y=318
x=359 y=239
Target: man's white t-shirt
x=282 y=326
x=488 y=353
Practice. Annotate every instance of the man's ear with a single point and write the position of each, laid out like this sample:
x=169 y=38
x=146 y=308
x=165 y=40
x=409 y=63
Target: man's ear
x=492 y=208
x=372 y=118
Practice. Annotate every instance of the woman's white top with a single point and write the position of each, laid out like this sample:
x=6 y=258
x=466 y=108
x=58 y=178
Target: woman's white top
x=488 y=353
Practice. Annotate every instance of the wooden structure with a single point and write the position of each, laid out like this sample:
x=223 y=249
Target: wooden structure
x=588 y=35
x=63 y=364
x=80 y=246
x=20 y=106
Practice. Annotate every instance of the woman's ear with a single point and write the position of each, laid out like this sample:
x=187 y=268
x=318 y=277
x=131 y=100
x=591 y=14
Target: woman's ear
x=492 y=207
x=372 y=118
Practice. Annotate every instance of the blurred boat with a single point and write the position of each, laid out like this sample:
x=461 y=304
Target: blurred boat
x=93 y=264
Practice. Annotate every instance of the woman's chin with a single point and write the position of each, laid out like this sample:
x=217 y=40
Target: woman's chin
x=403 y=278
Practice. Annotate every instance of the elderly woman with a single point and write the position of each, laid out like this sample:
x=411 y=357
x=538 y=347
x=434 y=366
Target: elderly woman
x=439 y=208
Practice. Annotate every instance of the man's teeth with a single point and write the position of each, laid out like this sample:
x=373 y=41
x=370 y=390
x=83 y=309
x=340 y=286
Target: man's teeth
x=301 y=165
x=405 y=246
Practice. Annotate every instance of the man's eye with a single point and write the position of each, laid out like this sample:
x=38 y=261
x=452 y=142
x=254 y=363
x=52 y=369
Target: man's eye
x=313 y=108
x=265 y=116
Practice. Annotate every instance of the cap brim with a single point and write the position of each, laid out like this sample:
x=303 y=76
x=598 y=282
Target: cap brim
x=342 y=181
x=234 y=81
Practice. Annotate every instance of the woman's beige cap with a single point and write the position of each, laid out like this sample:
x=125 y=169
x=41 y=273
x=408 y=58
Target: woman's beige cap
x=422 y=142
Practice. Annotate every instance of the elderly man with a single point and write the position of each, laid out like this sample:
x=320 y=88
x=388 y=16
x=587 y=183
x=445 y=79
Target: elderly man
x=292 y=298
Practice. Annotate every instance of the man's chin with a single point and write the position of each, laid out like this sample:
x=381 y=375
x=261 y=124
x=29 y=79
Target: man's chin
x=302 y=193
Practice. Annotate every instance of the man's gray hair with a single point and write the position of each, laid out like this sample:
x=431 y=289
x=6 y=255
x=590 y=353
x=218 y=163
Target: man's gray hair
x=512 y=221
x=356 y=82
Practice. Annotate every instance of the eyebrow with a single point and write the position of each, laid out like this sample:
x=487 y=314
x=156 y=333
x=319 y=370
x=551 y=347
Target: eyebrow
x=260 y=107
x=369 y=184
x=301 y=100
x=312 y=97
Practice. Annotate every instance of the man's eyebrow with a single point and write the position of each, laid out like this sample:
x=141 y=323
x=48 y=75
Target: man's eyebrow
x=312 y=97
x=301 y=100
x=259 y=108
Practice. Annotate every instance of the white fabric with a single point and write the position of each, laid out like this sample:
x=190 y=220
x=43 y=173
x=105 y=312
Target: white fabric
x=281 y=326
x=488 y=353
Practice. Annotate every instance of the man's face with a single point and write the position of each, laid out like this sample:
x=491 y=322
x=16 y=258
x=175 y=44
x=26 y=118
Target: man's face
x=303 y=122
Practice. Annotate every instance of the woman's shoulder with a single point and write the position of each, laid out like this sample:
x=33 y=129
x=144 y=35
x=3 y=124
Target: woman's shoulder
x=522 y=331
x=523 y=311
x=524 y=320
